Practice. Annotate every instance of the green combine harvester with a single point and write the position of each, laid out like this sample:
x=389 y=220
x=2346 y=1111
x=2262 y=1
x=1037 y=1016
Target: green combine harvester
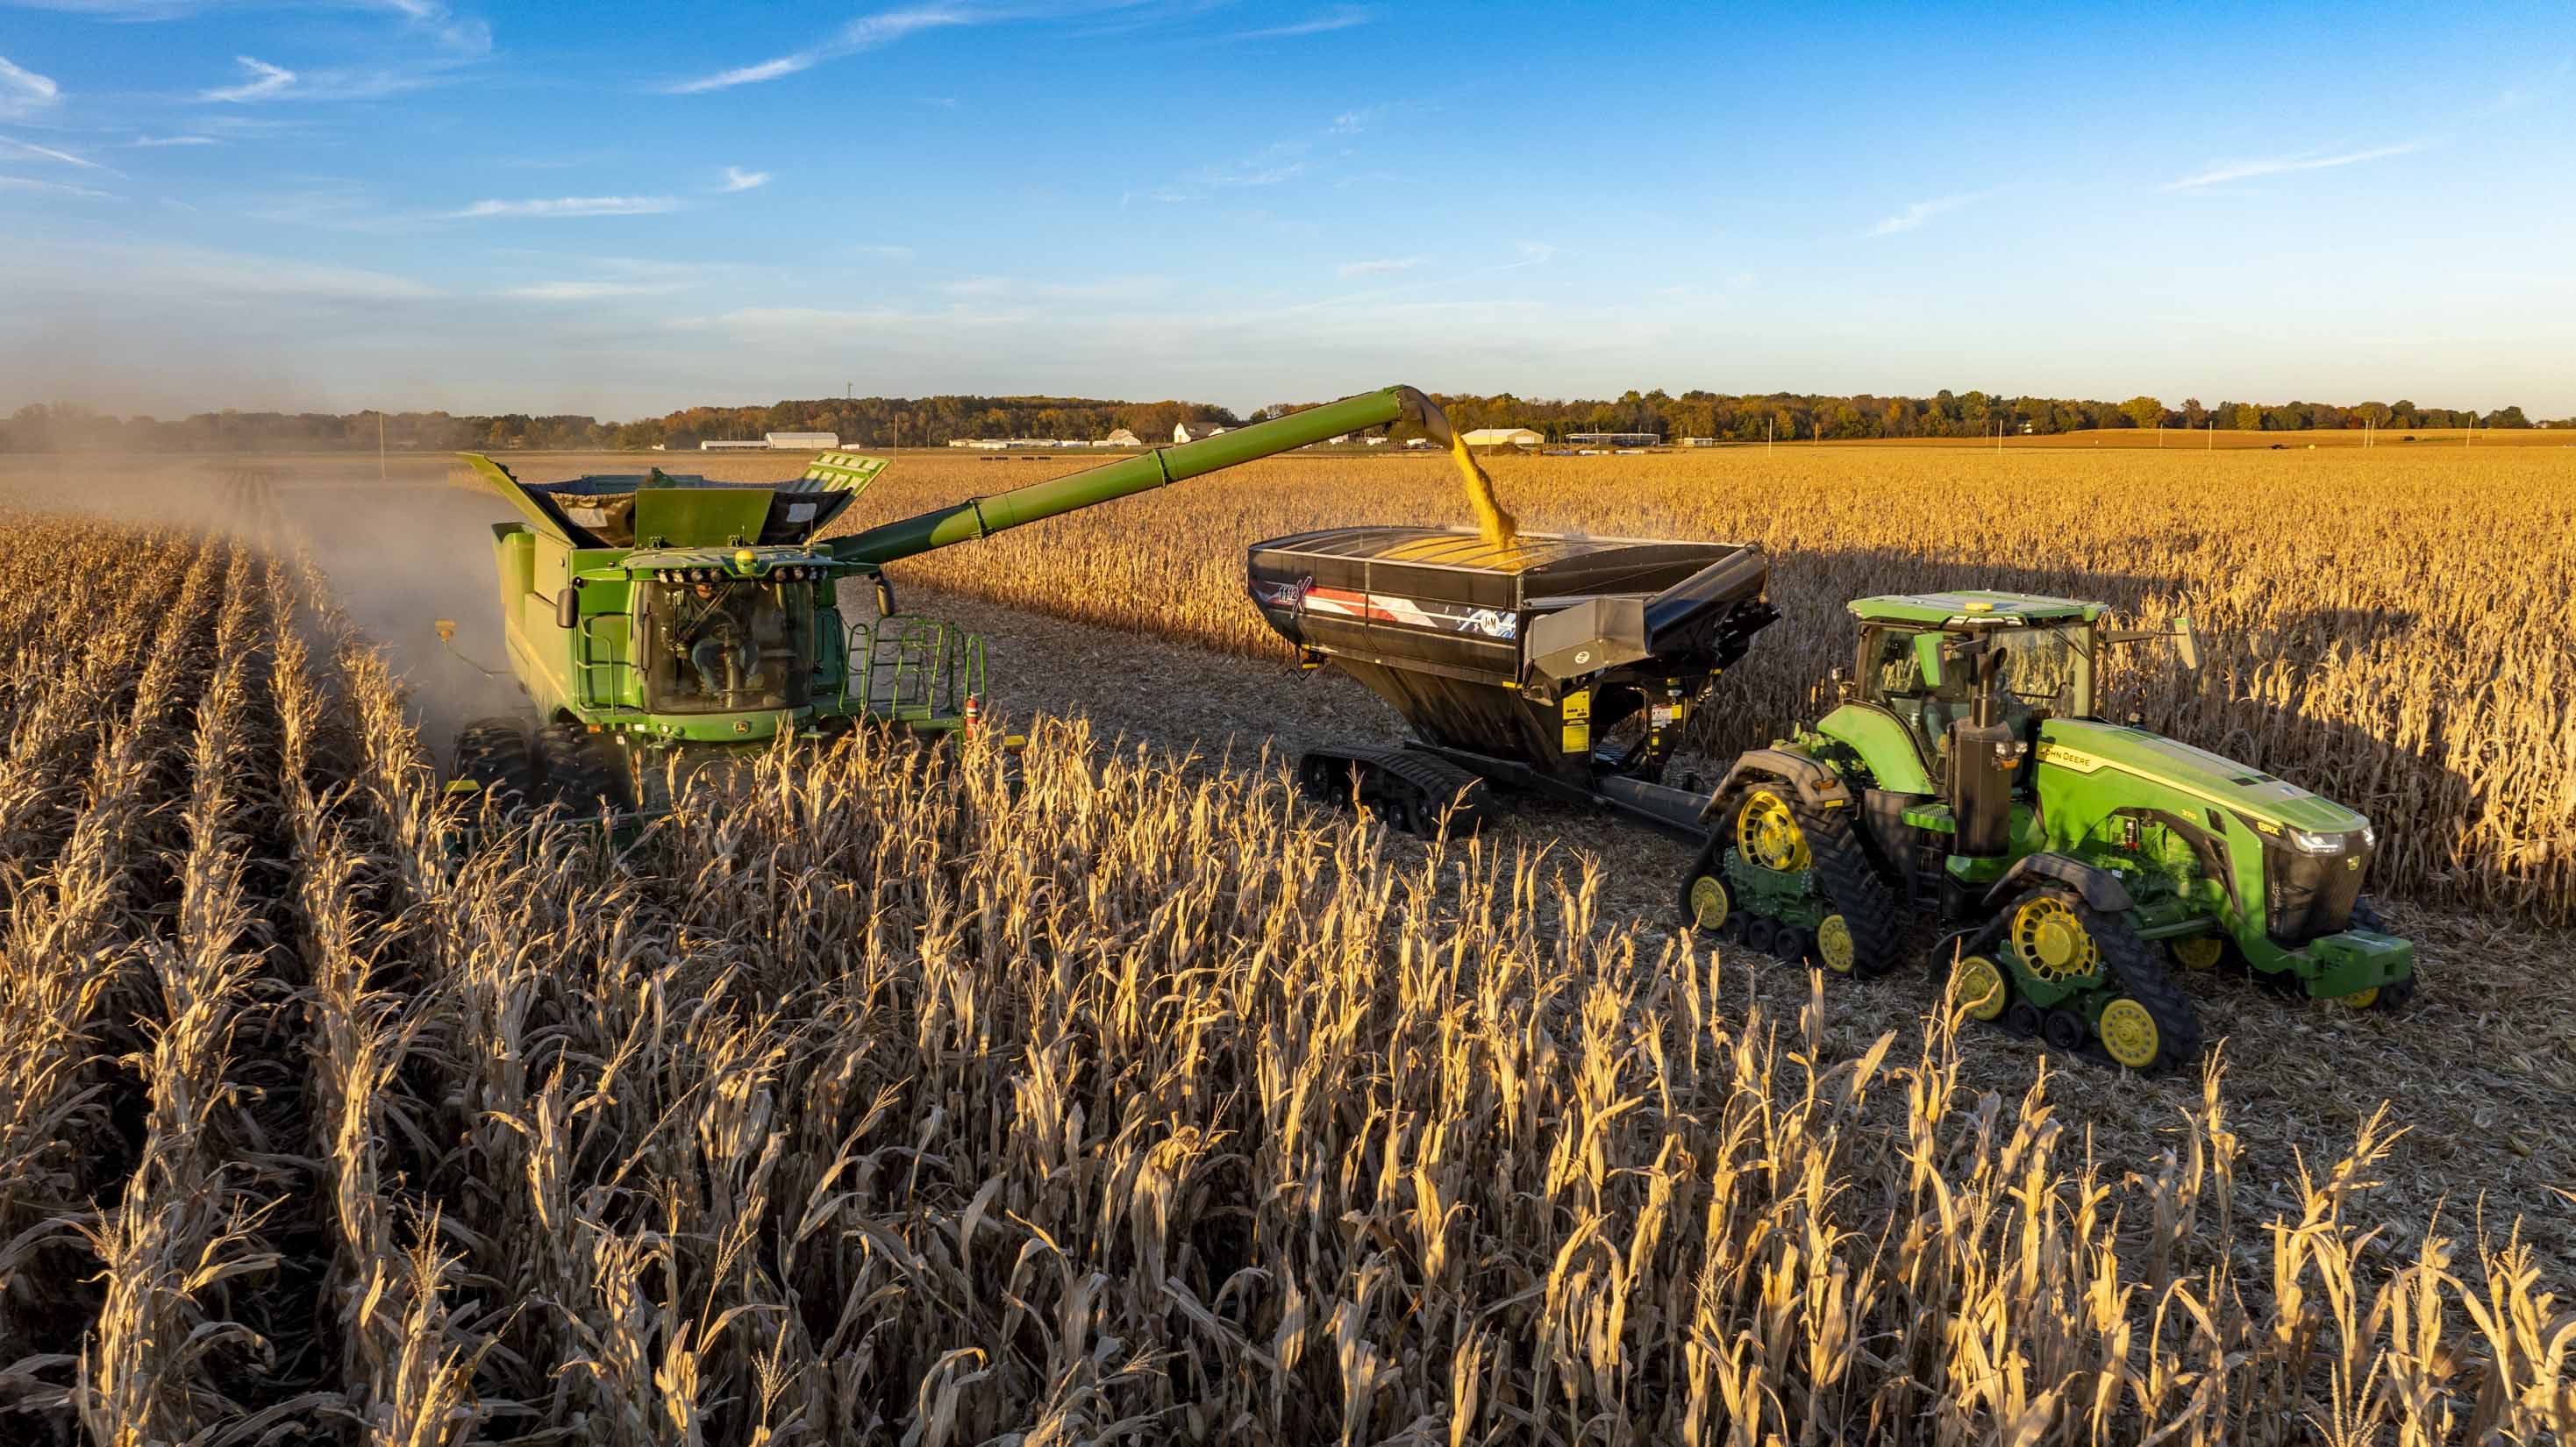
x=1966 y=776
x=655 y=615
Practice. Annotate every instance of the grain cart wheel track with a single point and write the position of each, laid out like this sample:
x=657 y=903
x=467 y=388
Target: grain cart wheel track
x=1412 y=789
x=1862 y=900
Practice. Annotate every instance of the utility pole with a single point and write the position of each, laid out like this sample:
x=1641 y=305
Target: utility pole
x=1768 y=423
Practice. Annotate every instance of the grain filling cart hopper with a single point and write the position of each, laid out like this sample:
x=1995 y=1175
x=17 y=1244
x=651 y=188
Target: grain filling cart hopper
x=1557 y=663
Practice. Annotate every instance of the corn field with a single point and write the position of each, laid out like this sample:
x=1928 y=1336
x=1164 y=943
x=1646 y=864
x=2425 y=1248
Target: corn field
x=870 y=1099
x=2390 y=628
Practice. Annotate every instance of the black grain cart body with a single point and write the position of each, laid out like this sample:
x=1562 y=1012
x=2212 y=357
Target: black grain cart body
x=1538 y=654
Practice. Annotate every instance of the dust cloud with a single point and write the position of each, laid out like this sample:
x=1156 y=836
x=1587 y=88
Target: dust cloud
x=400 y=554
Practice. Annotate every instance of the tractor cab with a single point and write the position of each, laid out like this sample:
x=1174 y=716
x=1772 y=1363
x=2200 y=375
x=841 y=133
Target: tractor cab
x=1928 y=660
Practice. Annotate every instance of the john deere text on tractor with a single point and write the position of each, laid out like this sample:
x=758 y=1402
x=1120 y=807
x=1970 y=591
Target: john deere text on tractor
x=1966 y=775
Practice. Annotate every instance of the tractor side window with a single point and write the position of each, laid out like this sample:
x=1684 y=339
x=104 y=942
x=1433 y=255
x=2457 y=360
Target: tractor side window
x=1893 y=673
x=2044 y=670
x=1895 y=679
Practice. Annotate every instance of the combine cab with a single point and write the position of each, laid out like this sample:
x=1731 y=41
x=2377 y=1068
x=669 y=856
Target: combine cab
x=654 y=614
x=645 y=613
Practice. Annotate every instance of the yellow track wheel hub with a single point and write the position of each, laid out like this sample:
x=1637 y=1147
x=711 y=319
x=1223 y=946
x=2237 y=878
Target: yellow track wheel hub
x=1708 y=902
x=1977 y=986
x=1768 y=833
x=2053 y=942
x=2362 y=999
x=2198 y=952
x=1834 y=944
x=2129 y=1033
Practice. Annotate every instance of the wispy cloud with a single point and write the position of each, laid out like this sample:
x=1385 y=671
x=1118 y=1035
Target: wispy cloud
x=1921 y=211
x=147 y=141
x=738 y=179
x=2222 y=172
x=59 y=188
x=30 y=148
x=569 y=206
x=23 y=92
x=865 y=33
x=592 y=290
x=266 y=81
x=1388 y=267
x=1340 y=18
x=888 y=253
x=195 y=275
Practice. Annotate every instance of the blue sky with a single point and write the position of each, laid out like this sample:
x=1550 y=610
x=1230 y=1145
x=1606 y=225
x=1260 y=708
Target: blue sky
x=618 y=209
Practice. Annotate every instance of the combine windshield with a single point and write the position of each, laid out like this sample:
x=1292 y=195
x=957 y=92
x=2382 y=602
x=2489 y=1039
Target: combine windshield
x=2048 y=668
x=729 y=646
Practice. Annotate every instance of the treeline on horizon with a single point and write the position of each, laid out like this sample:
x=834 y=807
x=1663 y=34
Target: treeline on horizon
x=930 y=421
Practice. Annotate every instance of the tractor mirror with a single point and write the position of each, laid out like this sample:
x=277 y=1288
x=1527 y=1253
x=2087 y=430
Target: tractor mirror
x=1927 y=658
x=2187 y=641
x=567 y=608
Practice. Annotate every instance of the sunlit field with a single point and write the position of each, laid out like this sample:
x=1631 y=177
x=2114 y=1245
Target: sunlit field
x=868 y=1099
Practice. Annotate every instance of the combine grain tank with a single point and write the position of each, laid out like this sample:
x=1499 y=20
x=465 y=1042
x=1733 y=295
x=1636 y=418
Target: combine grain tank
x=1566 y=664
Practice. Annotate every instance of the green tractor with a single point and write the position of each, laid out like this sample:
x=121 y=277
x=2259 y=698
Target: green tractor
x=658 y=618
x=1966 y=777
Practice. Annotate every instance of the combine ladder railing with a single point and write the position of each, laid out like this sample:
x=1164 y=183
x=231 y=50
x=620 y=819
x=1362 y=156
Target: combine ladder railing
x=909 y=669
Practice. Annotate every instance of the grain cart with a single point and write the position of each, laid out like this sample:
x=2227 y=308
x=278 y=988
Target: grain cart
x=659 y=613
x=1966 y=777
x=1560 y=664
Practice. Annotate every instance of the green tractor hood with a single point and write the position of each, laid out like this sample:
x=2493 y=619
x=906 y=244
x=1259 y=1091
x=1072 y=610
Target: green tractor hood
x=2089 y=746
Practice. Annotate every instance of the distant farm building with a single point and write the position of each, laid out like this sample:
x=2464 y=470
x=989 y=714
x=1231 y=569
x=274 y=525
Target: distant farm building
x=1122 y=437
x=1616 y=439
x=1194 y=431
x=804 y=441
x=1503 y=437
x=1699 y=442
x=733 y=447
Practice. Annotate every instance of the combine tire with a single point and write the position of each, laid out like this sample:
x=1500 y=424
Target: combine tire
x=492 y=760
x=584 y=772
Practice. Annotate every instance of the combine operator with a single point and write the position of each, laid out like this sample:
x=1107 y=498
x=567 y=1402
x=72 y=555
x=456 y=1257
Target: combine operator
x=717 y=641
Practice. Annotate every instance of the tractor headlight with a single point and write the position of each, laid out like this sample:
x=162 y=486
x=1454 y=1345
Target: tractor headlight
x=2308 y=843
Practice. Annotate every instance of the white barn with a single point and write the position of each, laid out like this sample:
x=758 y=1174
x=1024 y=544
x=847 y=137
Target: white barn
x=1503 y=437
x=1194 y=431
x=804 y=441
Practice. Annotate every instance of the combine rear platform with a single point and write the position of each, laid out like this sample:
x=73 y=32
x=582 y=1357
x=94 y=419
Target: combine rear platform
x=1557 y=663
